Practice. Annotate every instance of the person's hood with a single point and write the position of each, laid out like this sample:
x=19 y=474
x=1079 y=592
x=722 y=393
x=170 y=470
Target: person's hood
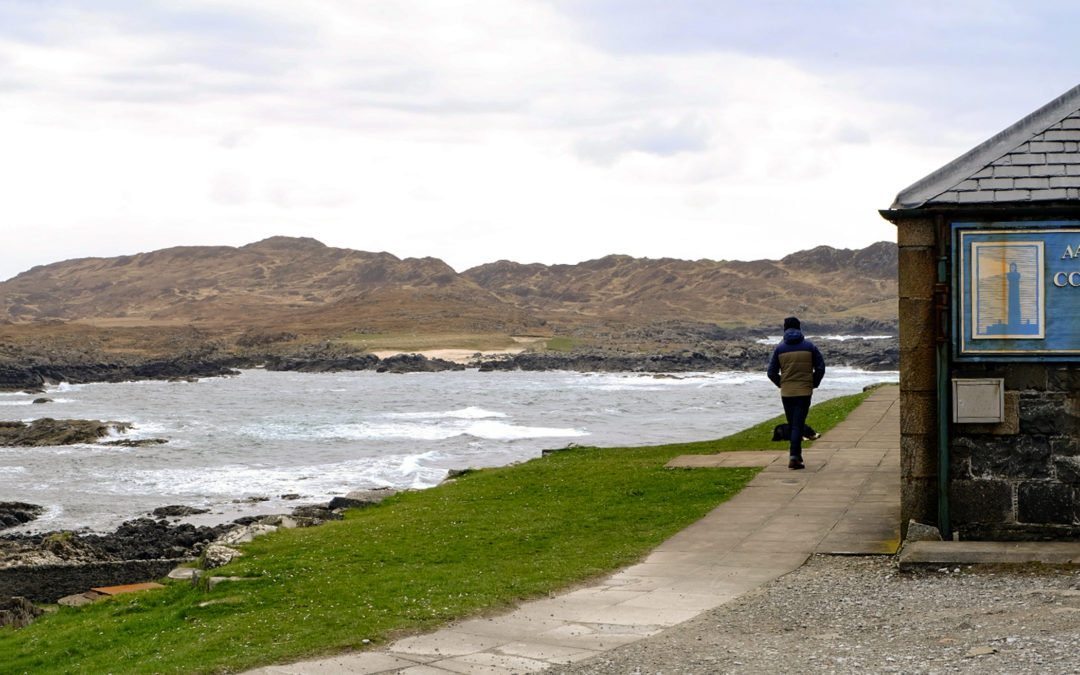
x=793 y=336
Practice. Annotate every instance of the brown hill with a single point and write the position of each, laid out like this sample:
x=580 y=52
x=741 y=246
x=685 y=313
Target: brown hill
x=288 y=284
x=824 y=282
x=280 y=282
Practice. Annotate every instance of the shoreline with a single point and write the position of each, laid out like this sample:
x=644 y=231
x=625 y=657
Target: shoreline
x=33 y=374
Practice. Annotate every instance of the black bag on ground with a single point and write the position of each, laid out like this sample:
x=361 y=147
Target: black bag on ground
x=782 y=432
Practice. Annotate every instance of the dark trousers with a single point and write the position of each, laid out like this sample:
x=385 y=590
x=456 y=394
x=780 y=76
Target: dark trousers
x=795 y=409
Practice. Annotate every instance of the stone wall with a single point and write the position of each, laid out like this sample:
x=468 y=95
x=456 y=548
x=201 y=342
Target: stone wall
x=49 y=583
x=918 y=255
x=1020 y=480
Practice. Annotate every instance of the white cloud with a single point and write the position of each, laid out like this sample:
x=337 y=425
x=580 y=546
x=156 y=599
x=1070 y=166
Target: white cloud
x=470 y=131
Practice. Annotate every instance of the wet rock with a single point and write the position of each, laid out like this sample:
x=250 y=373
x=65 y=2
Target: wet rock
x=18 y=513
x=38 y=401
x=135 y=442
x=177 y=511
x=47 y=431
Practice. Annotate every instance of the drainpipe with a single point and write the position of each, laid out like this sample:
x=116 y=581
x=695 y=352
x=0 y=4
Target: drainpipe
x=941 y=306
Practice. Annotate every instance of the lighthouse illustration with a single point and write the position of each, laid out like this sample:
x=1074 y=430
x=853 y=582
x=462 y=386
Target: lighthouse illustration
x=1007 y=284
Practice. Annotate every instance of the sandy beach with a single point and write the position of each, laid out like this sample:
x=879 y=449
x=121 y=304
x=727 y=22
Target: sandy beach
x=465 y=356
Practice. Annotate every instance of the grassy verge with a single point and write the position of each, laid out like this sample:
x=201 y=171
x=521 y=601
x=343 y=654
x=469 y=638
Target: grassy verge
x=483 y=542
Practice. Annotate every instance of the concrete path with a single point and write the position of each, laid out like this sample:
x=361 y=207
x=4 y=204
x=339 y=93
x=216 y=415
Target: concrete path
x=846 y=501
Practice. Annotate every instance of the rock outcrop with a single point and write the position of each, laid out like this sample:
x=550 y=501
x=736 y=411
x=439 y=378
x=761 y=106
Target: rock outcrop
x=18 y=612
x=18 y=513
x=48 y=431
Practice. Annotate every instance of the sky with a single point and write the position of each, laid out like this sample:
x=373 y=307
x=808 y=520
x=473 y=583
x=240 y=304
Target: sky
x=550 y=131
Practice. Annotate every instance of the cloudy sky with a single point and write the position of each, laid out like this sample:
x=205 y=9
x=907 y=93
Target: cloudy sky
x=550 y=131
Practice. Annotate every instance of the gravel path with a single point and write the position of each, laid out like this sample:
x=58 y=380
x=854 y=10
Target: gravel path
x=861 y=614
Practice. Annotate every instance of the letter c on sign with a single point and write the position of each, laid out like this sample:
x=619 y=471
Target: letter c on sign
x=1061 y=279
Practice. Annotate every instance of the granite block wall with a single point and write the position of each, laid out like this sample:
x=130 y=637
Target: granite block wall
x=1020 y=480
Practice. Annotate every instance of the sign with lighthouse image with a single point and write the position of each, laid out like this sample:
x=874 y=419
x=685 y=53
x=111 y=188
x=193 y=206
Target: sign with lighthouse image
x=1007 y=288
x=1016 y=290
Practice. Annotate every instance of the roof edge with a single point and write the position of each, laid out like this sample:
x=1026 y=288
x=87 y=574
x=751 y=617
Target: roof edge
x=917 y=194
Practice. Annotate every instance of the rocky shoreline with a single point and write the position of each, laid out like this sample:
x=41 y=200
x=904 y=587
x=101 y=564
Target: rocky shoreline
x=34 y=374
x=43 y=567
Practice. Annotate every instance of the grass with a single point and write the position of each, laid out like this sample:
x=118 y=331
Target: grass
x=561 y=344
x=480 y=543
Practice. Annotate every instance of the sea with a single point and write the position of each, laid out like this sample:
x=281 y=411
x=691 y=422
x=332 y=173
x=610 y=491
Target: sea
x=265 y=442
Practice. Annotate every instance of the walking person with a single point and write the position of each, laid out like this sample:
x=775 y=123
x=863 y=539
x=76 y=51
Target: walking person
x=797 y=368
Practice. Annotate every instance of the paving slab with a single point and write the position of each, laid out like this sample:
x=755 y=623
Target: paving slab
x=847 y=500
x=943 y=553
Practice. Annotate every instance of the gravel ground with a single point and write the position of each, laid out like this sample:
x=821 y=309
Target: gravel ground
x=861 y=614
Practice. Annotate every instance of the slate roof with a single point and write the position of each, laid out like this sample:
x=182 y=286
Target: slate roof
x=1035 y=160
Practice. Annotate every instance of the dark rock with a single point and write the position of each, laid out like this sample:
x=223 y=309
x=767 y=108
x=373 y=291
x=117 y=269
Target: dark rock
x=322 y=358
x=42 y=400
x=705 y=356
x=291 y=496
x=177 y=511
x=47 y=431
x=135 y=442
x=146 y=539
x=251 y=500
x=19 y=612
x=311 y=515
x=415 y=363
x=17 y=513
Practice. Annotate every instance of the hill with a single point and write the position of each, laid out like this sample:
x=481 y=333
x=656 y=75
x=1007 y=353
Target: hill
x=299 y=284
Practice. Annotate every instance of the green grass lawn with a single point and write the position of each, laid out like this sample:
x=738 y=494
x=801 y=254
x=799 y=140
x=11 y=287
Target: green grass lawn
x=482 y=542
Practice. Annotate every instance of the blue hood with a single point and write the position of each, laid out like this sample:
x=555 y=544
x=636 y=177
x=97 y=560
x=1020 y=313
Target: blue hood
x=793 y=336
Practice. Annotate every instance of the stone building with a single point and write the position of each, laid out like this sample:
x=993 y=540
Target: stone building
x=989 y=286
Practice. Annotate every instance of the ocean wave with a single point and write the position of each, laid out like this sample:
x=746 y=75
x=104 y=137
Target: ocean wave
x=434 y=429
x=199 y=486
x=615 y=382
x=469 y=413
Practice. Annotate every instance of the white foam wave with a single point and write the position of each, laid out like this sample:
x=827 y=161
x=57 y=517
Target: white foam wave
x=507 y=432
x=665 y=381
x=201 y=486
x=10 y=470
x=488 y=426
x=840 y=338
x=469 y=413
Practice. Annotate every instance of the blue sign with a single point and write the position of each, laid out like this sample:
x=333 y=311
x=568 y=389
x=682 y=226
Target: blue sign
x=1018 y=289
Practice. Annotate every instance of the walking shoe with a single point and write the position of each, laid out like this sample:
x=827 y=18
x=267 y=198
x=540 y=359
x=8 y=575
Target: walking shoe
x=795 y=464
